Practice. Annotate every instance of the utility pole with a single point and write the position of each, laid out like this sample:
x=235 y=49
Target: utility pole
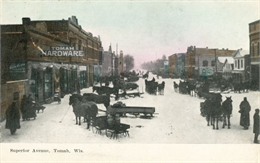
x=216 y=71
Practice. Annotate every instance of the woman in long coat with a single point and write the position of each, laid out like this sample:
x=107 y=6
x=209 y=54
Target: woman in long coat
x=245 y=109
x=256 y=126
x=12 y=118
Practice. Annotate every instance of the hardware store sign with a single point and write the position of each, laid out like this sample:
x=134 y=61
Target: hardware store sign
x=62 y=52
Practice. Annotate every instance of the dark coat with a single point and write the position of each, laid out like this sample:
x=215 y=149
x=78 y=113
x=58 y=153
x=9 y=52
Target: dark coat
x=12 y=117
x=245 y=109
x=256 y=124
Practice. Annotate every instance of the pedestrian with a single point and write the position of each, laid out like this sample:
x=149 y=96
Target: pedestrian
x=12 y=117
x=256 y=126
x=245 y=109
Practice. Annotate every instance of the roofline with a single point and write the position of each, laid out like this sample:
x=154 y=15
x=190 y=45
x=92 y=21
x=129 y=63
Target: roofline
x=254 y=22
x=11 y=25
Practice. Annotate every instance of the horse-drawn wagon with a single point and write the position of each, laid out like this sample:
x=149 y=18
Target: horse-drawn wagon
x=135 y=110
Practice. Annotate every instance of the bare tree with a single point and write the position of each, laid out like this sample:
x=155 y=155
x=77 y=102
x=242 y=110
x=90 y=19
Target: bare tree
x=129 y=62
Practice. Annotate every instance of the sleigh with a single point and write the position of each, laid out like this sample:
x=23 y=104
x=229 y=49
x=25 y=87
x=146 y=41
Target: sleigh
x=112 y=130
x=135 y=110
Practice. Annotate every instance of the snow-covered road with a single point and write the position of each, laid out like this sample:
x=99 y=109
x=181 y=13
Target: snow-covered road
x=177 y=121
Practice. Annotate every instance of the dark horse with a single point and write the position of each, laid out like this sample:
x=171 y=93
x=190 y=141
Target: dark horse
x=99 y=99
x=161 y=88
x=81 y=107
x=216 y=109
x=212 y=108
x=227 y=111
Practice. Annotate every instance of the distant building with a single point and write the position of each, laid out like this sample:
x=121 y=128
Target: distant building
x=177 y=65
x=107 y=63
x=206 y=60
x=180 y=64
x=172 y=59
x=254 y=32
x=241 y=71
x=190 y=62
x=121 y=62
x=228 y=67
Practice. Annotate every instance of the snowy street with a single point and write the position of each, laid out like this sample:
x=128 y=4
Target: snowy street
x=177 y=120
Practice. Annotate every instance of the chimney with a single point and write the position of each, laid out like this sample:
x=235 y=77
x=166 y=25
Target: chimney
x=26 y=20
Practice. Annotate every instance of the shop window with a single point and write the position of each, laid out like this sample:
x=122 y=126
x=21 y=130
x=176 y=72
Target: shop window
x=83 y=82
x=241 y=63
x=238 y=64
x=205 y=63
x=235 y=63
x=64 y=81
x=48 y=82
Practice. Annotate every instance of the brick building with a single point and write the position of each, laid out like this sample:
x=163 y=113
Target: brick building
x=172 y=65
x=254 y=32
x=43 y=58
x=204 y=61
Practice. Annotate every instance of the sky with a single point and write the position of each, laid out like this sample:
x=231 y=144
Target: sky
x=147 y=30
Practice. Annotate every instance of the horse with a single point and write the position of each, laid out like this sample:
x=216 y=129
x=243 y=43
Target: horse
x=161 y=88
x=227 y=111
x=83 y=108
x=205 y=109
x=99 y=99
x=103 y=90
x=216 y=109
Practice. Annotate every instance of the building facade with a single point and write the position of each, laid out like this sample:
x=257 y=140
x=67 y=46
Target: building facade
x=228 y=67
x=190 y=62
x=180 y=65
x=172 y=65
x=254 y=32
x=206 y=61
x=107 y=63
x=45 y=58
x=241 y=71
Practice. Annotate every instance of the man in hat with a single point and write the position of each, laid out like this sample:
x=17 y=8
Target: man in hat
x=245 y=109
x=256 y=125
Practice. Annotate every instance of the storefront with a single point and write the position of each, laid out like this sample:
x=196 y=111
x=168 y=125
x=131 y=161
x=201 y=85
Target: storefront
x=47 y=79
x=83 y=77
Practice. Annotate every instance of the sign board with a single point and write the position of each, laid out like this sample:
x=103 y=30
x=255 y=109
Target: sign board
x=206 y=71
x=62 y=51
x=17 y=67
